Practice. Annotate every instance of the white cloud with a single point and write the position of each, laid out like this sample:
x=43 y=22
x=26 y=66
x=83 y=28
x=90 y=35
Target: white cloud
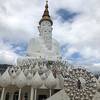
x=7 y=55
x=84 y=33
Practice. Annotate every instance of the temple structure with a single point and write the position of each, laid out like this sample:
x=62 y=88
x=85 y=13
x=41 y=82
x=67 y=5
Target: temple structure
x=43 y=75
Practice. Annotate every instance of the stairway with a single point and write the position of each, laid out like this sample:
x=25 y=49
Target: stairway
x=61 y=95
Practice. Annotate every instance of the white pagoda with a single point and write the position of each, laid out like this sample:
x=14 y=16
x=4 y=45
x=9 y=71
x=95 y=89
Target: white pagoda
x=43 y=75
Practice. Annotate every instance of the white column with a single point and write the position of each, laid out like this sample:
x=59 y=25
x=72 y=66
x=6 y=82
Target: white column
x=2 y=95
x=35 y=94
x=50 y=92
x=32 y=93
x=11 y=95
x=19 y=96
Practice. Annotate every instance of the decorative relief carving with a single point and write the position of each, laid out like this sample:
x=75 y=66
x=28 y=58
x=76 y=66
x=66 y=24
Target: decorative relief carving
x=80 y=84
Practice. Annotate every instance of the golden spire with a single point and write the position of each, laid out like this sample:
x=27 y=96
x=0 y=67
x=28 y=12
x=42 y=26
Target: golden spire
x=46 y=15
x=46 y=1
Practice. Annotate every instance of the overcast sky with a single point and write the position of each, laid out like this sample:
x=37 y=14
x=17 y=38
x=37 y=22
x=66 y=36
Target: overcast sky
x=76 y=27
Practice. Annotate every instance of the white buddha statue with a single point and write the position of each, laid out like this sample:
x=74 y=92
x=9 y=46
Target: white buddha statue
x=44 y=45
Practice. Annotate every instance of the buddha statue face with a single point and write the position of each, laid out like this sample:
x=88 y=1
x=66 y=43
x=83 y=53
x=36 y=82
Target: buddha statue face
x=45 y=28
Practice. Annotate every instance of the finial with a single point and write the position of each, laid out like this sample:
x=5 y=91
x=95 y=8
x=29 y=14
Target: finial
x=46 y=6
x=46 y=1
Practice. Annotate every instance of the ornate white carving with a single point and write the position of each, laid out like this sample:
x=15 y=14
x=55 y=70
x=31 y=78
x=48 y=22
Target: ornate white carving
x=50 y=81
x=36 y=81
x=73 y=84
x=5 y=79
x=21 y=80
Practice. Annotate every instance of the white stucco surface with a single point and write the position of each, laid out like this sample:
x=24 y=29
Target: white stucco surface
x=37 y=48
x=61 y=95
x=97 y=96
